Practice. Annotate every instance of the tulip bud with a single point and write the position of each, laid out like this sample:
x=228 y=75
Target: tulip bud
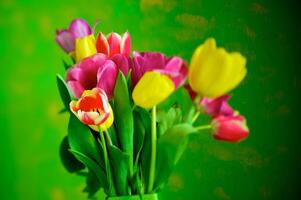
x=93 y=109
x=229 y=128
x=152 y=89
x=214 y=71
x=84 y=47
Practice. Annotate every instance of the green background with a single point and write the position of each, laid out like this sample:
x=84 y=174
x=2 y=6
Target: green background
x=265 y=166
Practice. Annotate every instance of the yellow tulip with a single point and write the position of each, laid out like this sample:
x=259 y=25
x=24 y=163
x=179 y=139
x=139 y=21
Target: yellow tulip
x=152 y=89
x=84 y=47
x=214 y=71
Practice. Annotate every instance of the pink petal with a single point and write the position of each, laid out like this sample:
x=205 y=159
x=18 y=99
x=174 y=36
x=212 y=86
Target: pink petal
x=174 y=64
x=114 y=41
x=76 y=88
x=73 y=74
x=102 y=44
x=80 y=28
x=66 y=40
x=125 y=47
x=122 y=63
x=106 y=77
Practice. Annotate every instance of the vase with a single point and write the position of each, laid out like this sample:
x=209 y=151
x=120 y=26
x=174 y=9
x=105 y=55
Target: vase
x=136 y=197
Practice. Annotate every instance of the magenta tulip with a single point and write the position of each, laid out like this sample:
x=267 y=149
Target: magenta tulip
x=229 y=128
x=96 y=71
x=78 y=28
x=174 y=66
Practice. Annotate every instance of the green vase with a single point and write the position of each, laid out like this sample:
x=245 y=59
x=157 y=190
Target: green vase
x=136 y=197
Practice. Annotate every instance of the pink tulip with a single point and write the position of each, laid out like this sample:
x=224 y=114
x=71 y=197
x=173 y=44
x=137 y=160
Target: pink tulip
x=174 y=66
x=78 y=28
x=212 y=106
x=114 y=44
x=229 y=128
x=96 y=71
x=216 y=106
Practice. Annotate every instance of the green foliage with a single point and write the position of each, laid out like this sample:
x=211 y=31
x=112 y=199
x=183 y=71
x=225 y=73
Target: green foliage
x=65 y=94
x=123 y=115
x=119 y=161
x=171 y=146
x=68 y=159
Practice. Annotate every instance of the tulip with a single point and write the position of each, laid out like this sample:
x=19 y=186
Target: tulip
x=174 y=67
x=84 y=47
x=114 y=44
x=78 y=28
x=229 y=128
x=212 y=106
x=213 y=71
x=216 y=106
x=152 y=89
x=93 y=109
x=96 y=71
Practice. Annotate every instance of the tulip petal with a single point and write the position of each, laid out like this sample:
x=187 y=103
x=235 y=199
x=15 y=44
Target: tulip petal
x=102 y=44
x=66 y=40
x=152 y=89
x=84 y=47
x=106 y=77
x=76 y=88
x=122 y=62
x=125 y=46
x=80 y=28
x=114 y=41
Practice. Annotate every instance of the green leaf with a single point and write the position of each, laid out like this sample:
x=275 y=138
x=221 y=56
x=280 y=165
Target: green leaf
x=119 y=162
x=64 y=91
x=68 y=159
x=139 y=134
x=146 y=149
x=93 y=184
x=123 y=115
x=82 y=140
x=93 y=167
x=124 y=118
x=170 y=148
x=168 y=119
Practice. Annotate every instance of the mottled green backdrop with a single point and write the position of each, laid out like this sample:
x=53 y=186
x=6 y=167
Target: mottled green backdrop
x=265 y=166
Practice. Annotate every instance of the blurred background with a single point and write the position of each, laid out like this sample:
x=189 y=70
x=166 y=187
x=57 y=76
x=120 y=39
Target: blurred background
x=265 y=166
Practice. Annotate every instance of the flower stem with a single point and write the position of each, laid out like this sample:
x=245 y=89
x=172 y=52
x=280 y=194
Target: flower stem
x=204 y=127
x=196 y=115
x=153 y=151
x=106 y=157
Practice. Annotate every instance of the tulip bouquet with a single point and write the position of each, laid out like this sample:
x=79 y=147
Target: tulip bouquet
x=131 y=115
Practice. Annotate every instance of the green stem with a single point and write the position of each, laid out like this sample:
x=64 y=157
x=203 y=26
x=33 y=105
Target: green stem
x=204 y=127
x=153 y=151
x=106 y=157
x=196 y=115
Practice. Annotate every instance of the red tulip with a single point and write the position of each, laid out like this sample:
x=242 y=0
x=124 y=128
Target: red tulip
x=93 y=109
x=114 y=44
x=229 y=128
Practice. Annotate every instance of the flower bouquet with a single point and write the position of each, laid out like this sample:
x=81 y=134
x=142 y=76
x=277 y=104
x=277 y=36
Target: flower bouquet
x=131 y=115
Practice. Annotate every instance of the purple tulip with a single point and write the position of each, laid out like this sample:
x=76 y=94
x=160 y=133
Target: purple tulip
x=174 y=66
x=96 y=71
x=78 y=28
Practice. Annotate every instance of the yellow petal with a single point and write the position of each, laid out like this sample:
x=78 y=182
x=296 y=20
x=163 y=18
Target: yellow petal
x=84 y=47
x=152 y=89
x=107 y=124
x=214 y=71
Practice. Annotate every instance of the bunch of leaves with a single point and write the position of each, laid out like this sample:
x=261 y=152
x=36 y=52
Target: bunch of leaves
x=129 y=153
